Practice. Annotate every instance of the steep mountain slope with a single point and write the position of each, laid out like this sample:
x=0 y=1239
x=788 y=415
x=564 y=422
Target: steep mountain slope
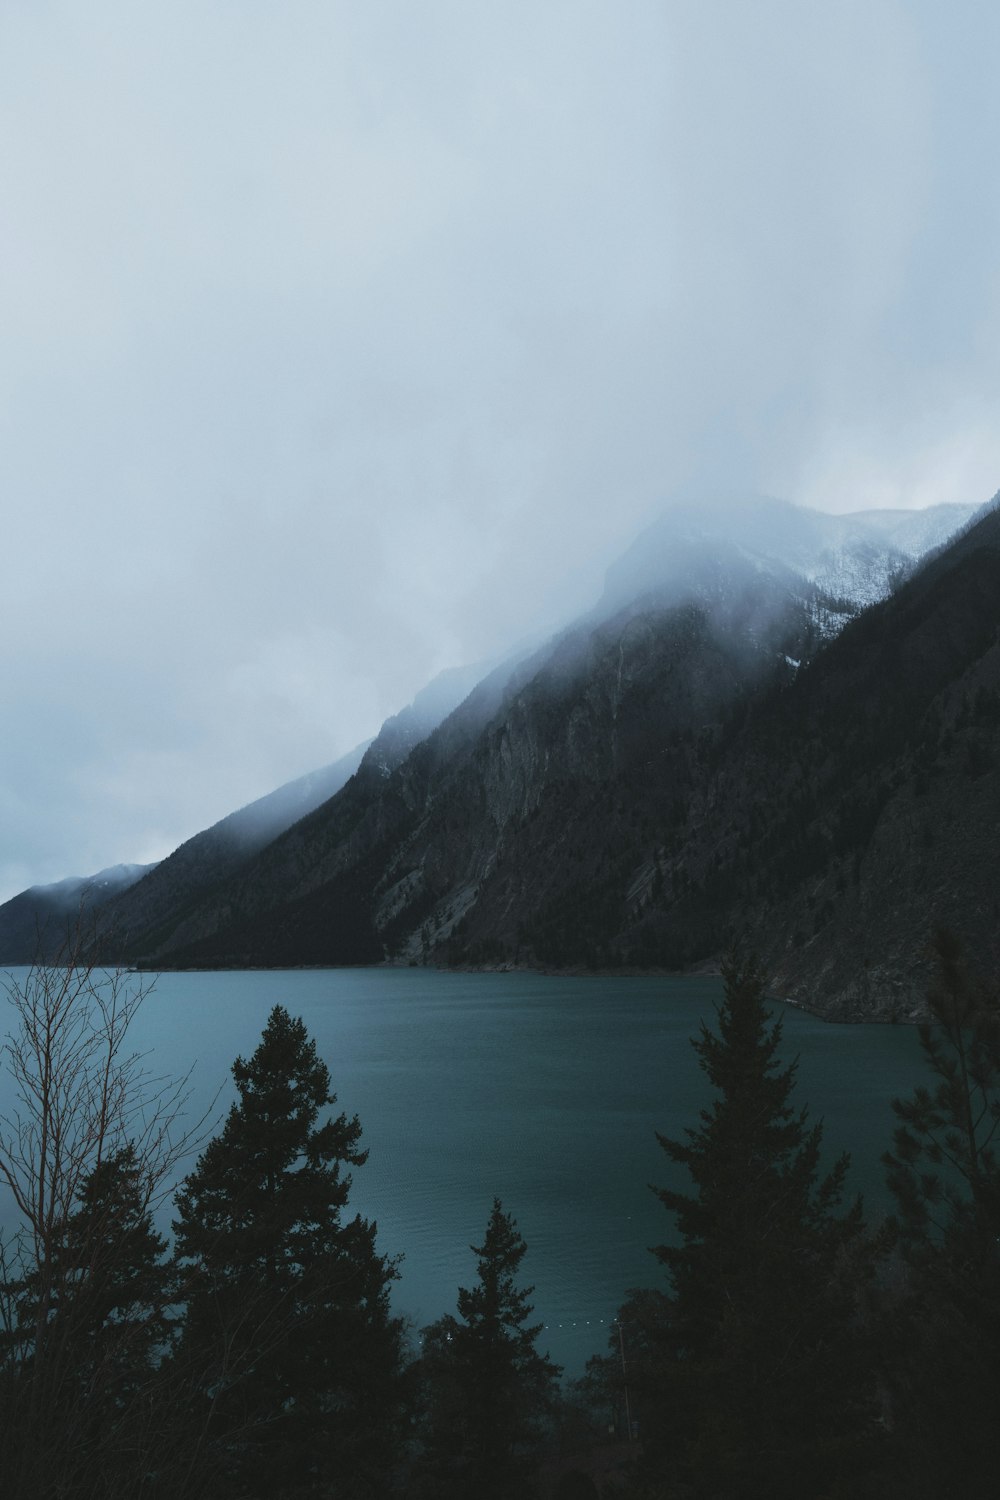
x=171 y=898
x=833 y=818
x=35 y=926
x=857 y=558
x=131 y=909
x=203 y=862
x=853 y=812
x=664 y=776
x=40 y=921
x=399 y=857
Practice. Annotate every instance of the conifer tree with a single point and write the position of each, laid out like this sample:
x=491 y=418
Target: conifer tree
x=287 y=1332
x=89 y=1141
x=752 y=1379
x=85 y=1337
x=487 y=1387
x=944 y=1172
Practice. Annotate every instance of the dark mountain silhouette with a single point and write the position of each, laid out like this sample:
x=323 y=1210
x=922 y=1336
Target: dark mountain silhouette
x=139 y=914
x=202 y=863
x=722 y=755
x=38 y=922
x=722 y=748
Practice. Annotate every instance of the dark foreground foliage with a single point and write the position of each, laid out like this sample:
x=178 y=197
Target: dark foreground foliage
x=294 y=1358
x=785 y=1351
x=944 y=1171
x=752 y=1371
x=487 y=1390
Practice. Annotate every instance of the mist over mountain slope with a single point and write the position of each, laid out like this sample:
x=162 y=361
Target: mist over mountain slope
x=722 y=745
x=40 y=923
x=37 y=922
x=732 y=749
x=857 y=558
x=160 y=906
x=851 y=814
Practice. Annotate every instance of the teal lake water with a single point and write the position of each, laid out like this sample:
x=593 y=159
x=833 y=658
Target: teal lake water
x=543 y=1091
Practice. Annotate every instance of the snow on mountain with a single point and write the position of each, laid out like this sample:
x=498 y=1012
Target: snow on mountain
x=857 y=558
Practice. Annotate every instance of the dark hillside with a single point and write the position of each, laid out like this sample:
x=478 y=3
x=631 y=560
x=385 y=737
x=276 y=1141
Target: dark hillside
x=720 y=755
x=530 y=802
x=857 y=809
x=654 y=783
x=46 y=920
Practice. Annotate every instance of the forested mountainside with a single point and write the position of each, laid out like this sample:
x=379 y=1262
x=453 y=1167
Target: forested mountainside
x=710 y=761
x=36 y=922
x=42 y=922
x=838 y=822
x=191 y=875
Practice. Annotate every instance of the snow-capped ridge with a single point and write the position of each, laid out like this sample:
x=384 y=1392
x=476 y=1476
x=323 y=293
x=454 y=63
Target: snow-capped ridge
x=857 y=558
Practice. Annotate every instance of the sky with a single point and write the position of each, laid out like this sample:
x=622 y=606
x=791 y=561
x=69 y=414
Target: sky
x=342 y=343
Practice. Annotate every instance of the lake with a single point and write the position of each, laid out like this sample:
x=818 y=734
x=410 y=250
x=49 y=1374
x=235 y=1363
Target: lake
x=545 y=1092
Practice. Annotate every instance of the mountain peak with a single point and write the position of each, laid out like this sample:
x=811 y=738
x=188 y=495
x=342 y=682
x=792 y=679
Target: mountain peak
x=856 y=557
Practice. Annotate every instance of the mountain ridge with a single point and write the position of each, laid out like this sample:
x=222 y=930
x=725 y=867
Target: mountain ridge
x=479 y=848
x=595 y=802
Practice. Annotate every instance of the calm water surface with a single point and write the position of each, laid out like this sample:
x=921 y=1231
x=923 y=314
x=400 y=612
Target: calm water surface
x=543 y=1091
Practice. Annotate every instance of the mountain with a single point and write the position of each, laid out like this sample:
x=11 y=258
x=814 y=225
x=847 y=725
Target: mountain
x=856 y=558
x=850 y=815
x=735 y=748
x=40 y=923
x=160 y=905
x=202 y=863
x=773 y=723
x=36 y=923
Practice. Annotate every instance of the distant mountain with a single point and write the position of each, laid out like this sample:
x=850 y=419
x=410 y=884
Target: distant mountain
x=36 y=924
x=856 y=558
x=722 y=745
x=159 y=906
x=207 y=860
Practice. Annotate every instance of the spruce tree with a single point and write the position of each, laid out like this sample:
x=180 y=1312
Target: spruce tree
x=487 y=1387
x=287 y=1336
x=944 y=1172
x=86 y=1336
x=752 y=1377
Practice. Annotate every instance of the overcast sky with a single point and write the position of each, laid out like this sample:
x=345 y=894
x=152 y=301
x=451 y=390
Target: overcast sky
x=341 y=343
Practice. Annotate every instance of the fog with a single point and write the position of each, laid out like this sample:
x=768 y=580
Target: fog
x=343 y=344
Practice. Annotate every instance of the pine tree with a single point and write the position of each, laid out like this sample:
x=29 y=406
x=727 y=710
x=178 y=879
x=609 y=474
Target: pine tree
x=86 y=1337
x=752 y=1378
x=287 y=1331
x=944 y=1172
x=488 y=1389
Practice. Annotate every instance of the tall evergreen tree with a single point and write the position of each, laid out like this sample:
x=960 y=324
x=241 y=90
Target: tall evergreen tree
x=944 y=1172
x=752 y=1379
x=487 y=1387
x=85 y=1338
x=288 y=1333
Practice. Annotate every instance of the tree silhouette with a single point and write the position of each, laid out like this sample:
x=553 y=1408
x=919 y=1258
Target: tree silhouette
x=287 y=1329
x=487 y=1387
x=89 y=1146
x=751 y=1370
x=86 y=1338
x=944 y=1172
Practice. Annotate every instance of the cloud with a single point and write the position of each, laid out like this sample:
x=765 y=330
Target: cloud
x=341 y=343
